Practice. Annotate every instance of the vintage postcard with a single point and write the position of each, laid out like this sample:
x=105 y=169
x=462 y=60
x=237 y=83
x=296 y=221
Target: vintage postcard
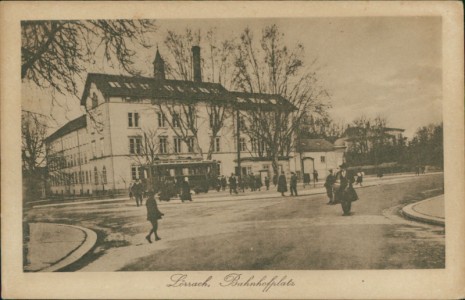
x=232 y=150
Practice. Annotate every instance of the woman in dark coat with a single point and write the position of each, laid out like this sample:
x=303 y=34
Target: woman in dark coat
x=153 y=214
x=185 y=191
x=345 y=193
x=282 y=184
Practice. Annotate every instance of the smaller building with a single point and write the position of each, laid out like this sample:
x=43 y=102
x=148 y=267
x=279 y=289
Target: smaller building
x=317 y=154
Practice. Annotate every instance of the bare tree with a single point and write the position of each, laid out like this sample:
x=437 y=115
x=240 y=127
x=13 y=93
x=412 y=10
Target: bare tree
x=270 y=67
x=217 y=67
x=359 y=135
x=53 y=53
x=146 y=153
x=182 y=119
x=33 y=132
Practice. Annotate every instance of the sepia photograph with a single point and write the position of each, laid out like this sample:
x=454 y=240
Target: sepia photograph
x=234 y=144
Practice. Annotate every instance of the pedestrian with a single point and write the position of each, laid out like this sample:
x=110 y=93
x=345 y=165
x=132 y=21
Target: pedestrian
x=223 y=182
x=275 y=179
x=186 y=190
x=360 y=175
x=330 y=180
x=282 y=184
x=137 y=191
x=267 y=183
x=315 y=175
x=131 y=195
x=252 y=182
x=345 y=193
x=232 y=184
x=167 y=189
x=240 y=184
x=293 y=184
x=218 y=184
x=153 y=215
x=258 y=183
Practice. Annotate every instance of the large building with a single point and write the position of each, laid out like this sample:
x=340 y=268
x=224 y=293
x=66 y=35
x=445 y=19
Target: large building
x=135 y=126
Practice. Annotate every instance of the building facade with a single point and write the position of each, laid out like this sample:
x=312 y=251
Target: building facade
x=135 y=122
x=317 y=155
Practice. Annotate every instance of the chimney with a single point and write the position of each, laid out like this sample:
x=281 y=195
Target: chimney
x=196 y=64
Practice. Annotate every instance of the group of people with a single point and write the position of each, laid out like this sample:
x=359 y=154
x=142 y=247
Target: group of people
x=282 y=184
x=420 y=170
x=168 y=189
x=250 y=181
x=339 y=188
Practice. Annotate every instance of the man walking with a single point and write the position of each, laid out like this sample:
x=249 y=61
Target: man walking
x=267 y=183
x=293 y=184
x=346 y=193
x=223 y=182
x=137 y=192
x=315 y=176
x=153 y=215
x=232 y=184
x=330 y=180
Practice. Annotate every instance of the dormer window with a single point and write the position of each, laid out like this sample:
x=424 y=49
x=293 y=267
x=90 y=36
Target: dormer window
x=169 y=88
x=114 y=84
x=130 y=85
x=145 y=86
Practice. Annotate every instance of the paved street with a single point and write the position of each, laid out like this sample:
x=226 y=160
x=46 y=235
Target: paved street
x=264 y=233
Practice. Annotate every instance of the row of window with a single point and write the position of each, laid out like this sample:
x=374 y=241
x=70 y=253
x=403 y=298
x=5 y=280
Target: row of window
x=71 y=160
x=80 y=177
x=134 y=120
x=136 y=147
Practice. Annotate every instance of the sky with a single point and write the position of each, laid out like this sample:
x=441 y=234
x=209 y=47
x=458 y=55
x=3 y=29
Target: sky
x=371 y=66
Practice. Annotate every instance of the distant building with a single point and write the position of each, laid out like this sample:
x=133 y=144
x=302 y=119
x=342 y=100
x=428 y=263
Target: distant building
x=130 y=118
x=362 y=138
x=317 y=154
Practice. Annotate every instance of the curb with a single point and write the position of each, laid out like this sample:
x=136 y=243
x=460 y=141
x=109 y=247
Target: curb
x=87 y=244
x=409 y=212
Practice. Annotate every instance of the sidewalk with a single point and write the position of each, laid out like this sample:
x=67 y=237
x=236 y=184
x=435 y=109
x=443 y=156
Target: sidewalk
x=430 y=211
x=54 y=246
x=214 y=196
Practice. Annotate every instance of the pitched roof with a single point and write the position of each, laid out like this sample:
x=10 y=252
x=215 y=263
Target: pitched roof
x=148 y=87
x=180 y=90
x=393 y=129
x=78 y=123
x=315 y=145
x=355 y=131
